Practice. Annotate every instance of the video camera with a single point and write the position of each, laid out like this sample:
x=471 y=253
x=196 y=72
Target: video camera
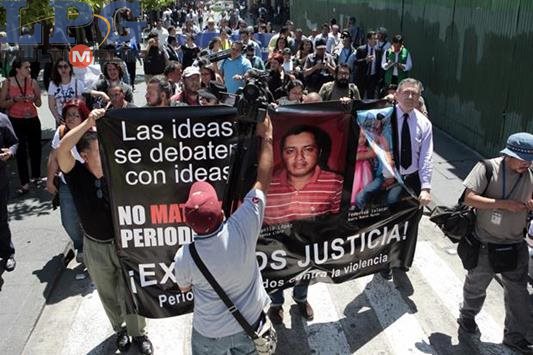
x=215 y=57
x=253 y=99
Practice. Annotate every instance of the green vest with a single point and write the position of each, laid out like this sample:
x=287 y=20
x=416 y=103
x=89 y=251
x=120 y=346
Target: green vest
x=402 y=59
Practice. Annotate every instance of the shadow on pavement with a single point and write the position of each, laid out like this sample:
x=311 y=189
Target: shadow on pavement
x=289 y=339
x=49 y=273
x=109 y=346
x=1 y=273
x=468 y=344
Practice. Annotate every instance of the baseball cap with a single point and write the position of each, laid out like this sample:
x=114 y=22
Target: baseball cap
x=321 y=42
x=519 y=146
x=203 y=211
x=190 y=71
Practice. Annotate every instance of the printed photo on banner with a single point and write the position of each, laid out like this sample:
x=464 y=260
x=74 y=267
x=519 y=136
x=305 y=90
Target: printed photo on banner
x=309 y=158
x=375 y=177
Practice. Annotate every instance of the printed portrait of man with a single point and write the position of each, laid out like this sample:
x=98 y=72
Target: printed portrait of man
x=304 y=187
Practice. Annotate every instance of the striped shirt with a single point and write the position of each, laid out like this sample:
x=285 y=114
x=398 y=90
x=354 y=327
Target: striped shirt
x=322 y=194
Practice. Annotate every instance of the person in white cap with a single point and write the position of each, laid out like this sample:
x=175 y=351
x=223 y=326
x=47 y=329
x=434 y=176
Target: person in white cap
x=501 y=218
x=191 y=84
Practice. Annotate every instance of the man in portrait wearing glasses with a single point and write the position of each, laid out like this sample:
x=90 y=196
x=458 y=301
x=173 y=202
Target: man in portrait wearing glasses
x=304 y=187
x=91 y=198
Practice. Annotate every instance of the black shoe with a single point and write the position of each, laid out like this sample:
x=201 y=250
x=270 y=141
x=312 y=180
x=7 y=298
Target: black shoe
x=386 y=274
x=144 y=345
x=123 y=341
x=468 y=325
x=306 y=310
x=275 y=313
x=523 y=346
x=10 y=264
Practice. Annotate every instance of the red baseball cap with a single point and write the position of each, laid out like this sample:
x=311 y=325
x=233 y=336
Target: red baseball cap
x=203 y=211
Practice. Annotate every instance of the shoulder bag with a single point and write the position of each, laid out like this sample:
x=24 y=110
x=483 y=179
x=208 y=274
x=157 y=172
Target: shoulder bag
x=265 y=339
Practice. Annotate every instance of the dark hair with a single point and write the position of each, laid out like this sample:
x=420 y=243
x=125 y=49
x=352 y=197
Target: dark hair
x=397 y=39
x=284 y=30
x=119 y=68
x=325 y=24
x=370 y=34
x=164 y=85
x=342 y=65
x=56 y=78
x=85 y=141
x=171 y=66
x=322 y=140
x=212 y=42
x=291 y=85
x=304 y=41
x=280 y=38
x=171 y=39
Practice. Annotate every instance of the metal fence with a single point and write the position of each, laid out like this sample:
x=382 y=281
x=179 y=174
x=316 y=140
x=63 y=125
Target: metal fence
x=475 y=58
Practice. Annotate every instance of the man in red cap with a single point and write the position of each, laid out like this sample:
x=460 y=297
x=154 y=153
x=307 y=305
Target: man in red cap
x=228 y=250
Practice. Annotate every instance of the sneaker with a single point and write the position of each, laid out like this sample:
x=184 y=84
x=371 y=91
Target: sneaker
x=522 y=346
x=144 y=345
x=275 y=313
x=79 y=257
x=10 y=264
x=306 y=310
x=123 y=340
x=468 y=325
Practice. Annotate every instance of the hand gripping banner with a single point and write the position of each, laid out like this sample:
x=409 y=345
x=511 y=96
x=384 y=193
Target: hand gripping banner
x=337 y=208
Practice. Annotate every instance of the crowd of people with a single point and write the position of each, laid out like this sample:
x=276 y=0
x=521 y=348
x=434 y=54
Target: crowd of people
x=334 y=62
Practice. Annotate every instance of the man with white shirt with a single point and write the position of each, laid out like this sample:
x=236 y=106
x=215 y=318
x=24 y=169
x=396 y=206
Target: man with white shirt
x=327 y=37
x=413 y=150
x=396 y=62
x=367 y=66
x=162 y=34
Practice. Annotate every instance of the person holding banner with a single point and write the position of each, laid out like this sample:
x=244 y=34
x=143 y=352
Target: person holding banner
x=91 y=198
x=413 y=151
x=227 y=248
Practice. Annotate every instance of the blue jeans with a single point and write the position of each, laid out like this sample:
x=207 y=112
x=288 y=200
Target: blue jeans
x=6 y=244
x=69 y=216
x=239 y=343
x=368 y=191
x=299 y=294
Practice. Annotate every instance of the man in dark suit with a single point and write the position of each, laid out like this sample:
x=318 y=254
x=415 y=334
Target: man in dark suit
x=367 y=66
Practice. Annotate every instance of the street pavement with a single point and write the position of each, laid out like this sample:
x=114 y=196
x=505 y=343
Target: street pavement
x=45 y=310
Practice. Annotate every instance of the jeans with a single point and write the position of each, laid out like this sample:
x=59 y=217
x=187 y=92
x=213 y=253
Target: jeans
x=369 y=191
x=69 y=216
x=299 y=294
x=6 y=244
x=239 y=343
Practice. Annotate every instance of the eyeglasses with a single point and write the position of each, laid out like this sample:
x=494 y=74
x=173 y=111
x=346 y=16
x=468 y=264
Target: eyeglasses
x=98 y=186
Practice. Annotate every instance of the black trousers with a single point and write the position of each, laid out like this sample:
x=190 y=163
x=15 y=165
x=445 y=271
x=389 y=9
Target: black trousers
x=132 y=72
x=28 y=131
x=6 y=244
x=402 y=254
x=370 y=84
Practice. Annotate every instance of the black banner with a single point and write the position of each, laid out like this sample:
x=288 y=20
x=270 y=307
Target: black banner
x=336 y=209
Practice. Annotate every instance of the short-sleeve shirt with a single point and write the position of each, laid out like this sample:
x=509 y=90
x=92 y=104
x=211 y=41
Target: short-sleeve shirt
x=229 y=254
x=65 y=92
x=232 y=67
x=322 y=194
x=511 y=227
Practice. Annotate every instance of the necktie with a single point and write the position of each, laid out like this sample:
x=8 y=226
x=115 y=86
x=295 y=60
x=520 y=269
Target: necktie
x=405 y=153
x=372 y=62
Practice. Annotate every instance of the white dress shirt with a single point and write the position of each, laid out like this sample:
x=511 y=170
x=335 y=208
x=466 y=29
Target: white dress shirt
x=421 y=133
